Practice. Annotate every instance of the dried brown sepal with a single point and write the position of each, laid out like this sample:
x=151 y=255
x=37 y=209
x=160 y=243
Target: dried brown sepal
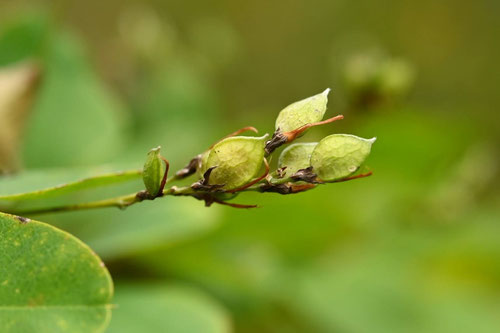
x=286 y=188
x=280 y=173
x=165 y=176
x=307 y=175
x=203 y=184
x=210 y=199
x=234 y=205
x=190 y=168
x=278 y=139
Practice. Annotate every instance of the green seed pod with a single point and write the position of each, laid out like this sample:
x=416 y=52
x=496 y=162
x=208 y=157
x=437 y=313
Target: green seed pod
x=339 y=155
x=153 y=172
x=298 y=114
x=237 y=160
x=296 y=157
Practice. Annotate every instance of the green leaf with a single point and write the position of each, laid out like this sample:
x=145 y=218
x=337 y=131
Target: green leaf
x=112 y=233
x=295 y=157
x=339 y=155
x=238 y=159
x=171 y=308
x=298 y=114
x=23 y=37
x=143 y=227
x=79 y=185
x=75 y=121
x=153 y=172
x=50 y=281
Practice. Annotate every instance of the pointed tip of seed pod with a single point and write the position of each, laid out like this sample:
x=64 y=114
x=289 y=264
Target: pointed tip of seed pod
x=326 y=92
x=372 y=140
x=155 y=150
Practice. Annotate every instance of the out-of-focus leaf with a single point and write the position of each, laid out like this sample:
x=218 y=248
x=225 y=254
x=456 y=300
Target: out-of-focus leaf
x=169 y=308
x=50 y=281
x=339 y=155
x=22 y=38
x=75 y=120
x=295 y=157
x=78 y=185
x=18 y=84
x=421 y=282
x=306 y=111
x=111 y=232
x=29 y=190
x=144 y=226
x=237 y=160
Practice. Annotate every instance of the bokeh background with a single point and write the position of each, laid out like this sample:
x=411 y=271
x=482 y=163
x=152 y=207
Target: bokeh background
x=414 y=248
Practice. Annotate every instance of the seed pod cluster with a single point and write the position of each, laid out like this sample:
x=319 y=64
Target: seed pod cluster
x=234 y=164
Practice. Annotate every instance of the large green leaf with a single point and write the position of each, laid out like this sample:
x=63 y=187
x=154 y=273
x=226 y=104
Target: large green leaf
x=22 y=38
x=75 y=121
x=110 y=232
x=74 y=186
x=142 y=227
x=173 y=309
x=50 y=281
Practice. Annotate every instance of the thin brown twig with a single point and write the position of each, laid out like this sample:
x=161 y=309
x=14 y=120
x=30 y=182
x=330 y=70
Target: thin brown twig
x=363 y=175
x=165 y=176
x=292 y=135
x=241 y=130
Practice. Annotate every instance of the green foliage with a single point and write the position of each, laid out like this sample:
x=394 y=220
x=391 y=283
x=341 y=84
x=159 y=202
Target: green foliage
x=50 y=281
x=412 y=249
x=70 y=187
x=167 y=308
x=89 y=121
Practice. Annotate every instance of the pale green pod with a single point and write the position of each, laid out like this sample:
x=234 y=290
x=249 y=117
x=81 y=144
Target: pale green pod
x=339 y=155
x=306 y=111
x=237 y=159
x=296 y=157
x=153 y=171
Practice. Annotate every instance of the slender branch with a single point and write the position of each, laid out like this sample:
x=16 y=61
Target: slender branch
x=292 y=135
x=121 y=202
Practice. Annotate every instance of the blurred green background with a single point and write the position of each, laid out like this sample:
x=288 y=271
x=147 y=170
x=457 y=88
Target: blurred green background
x=414 y=248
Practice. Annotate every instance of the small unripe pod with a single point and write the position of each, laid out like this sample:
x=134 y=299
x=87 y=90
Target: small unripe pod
x=339 y=155
x=296 y=157
x=237 y=160
x=306 y=111
x=153 y=172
